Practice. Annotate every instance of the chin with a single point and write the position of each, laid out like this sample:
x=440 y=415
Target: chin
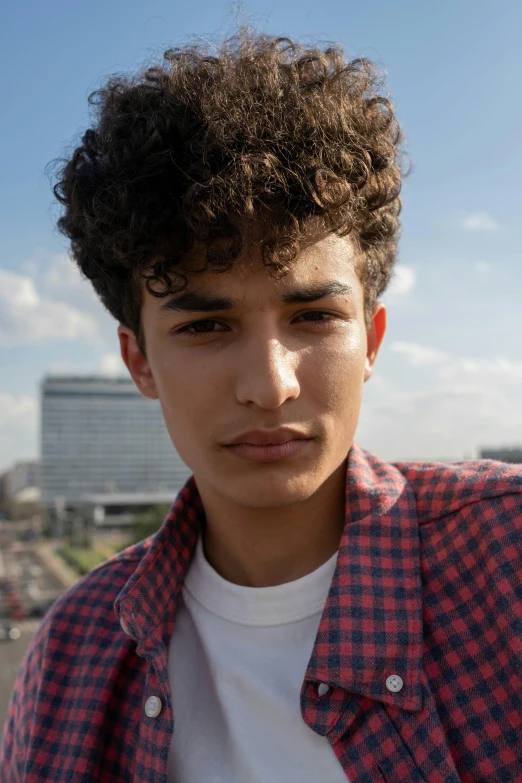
x=268 y=491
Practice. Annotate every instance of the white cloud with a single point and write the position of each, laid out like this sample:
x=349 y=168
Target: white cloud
x=464 y=404
x=488 y=371
x=403 y=281
x=112 y=365
x=62 y=275
x=482 y=268
x=66 y=368
x=27 y=316
x=460 y=369
x=17 y=411
x=480 y=221
x=418 y=355
x=19 y=417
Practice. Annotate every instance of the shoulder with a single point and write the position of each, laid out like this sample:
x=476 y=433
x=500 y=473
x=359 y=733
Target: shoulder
x=470 y=526
x=80 y=625
x=443 y=489
x=83 y=611
x=470 y=531
x=103 y=583
x=87 y=607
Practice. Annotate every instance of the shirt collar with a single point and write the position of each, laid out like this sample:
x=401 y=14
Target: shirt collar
x=371 y=625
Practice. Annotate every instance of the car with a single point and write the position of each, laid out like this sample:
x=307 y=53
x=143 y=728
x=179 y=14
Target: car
x=38 y=610
x=9 y=632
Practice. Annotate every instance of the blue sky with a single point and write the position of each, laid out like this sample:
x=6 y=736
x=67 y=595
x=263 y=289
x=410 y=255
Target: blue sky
x=449 y=378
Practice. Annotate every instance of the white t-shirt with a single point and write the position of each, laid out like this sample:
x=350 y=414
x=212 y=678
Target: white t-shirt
x=237 y=660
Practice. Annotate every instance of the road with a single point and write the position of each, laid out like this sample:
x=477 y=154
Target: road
x=28 y=586
x=12 y=653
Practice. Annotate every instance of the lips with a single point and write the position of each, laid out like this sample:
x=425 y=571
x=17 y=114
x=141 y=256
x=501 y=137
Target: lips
x=268 y=437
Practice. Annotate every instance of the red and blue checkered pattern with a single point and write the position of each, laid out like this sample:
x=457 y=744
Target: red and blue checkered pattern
x=428 y=587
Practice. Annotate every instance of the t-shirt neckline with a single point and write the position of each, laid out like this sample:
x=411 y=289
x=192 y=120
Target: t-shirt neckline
x=258 y=606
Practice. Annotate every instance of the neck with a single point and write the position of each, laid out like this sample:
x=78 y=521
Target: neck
x=265 y=547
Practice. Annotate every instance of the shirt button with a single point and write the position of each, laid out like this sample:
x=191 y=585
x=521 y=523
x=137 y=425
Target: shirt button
x=322 y=688
x=153 y=707
x=394 y=683
x=124 y=626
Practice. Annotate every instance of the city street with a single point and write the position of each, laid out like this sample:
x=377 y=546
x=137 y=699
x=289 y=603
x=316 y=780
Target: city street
x=11 y=653
x=28 y=586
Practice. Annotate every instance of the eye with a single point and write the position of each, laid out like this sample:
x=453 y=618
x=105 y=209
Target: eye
x=318 y=316
x=208 y=325
x=196 y=328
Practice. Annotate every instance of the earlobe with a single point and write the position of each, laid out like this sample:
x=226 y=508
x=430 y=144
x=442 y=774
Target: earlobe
x=375 y=336
x=136 y=363
x=368 y=367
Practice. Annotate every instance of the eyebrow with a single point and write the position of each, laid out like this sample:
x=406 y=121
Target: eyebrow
x=194 y=302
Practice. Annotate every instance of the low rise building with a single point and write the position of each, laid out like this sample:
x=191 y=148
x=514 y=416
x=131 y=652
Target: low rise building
x=503 y=455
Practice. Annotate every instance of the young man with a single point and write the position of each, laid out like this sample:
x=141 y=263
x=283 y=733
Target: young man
x=307 y=612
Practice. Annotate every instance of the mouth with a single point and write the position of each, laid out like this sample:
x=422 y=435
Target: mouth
x=277 y=437
x=270 y=450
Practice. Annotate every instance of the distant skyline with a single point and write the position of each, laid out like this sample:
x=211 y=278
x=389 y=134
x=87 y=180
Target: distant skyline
x=448 y=380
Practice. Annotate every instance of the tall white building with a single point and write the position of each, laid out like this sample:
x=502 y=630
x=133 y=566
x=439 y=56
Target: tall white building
x=100 y=436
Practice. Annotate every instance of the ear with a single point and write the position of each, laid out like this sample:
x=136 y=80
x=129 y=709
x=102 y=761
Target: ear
x=374 y=336
x=136 y=363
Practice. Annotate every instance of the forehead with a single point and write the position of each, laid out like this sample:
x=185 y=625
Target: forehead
x=327 y=259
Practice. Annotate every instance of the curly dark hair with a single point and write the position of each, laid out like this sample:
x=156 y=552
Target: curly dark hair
x=189 y=151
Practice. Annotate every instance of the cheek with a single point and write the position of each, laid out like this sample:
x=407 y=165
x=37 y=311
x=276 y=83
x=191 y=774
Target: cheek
x=336 y=371
x=188 y=395
x=188 y=414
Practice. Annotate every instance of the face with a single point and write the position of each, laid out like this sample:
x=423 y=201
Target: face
x=239 y=351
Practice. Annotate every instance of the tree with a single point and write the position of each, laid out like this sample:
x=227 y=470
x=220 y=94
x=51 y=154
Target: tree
x=148 y=522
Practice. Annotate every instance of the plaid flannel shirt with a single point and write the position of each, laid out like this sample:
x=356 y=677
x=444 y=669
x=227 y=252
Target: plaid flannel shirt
x=428 y=586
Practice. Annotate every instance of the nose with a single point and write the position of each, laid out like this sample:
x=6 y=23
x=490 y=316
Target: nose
x=266 y=373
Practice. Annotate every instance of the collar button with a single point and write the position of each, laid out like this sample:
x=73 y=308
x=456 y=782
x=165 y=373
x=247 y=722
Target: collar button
x=153 y=707
x=322 y=689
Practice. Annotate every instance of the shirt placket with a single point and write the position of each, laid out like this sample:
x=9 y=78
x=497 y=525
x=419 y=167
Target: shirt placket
x=157 y=720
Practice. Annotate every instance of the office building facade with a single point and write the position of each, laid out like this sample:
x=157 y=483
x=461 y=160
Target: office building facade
x=100 y=436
